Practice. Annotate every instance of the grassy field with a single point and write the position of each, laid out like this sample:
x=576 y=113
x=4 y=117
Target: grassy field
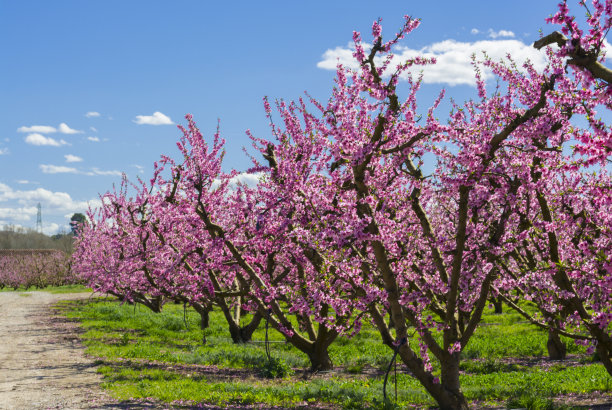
x=51 y=289
x=160 y=357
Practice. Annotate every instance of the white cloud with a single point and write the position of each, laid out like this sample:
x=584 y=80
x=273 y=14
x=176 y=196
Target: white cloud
x=454 y=60
x=50 y=228
x=55 y=169
x=40 y=140
x=247 y=179
x=25 y=181
x=500 y=33
x=73 y=158
x=474 y=31
x=49 y=199
x=19 y=207
x=156 y=119
x=65 y=129
x=21 y=214
x=93 y=129
x=61 y=169
x=91 y=114
x=96 y=171
x=140 y=168
x=250 y=180
x=94 y=139
x=43 y=129
x=4 y=151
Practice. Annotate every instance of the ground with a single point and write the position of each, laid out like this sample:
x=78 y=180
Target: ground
x=42 y=361
x=43 y=365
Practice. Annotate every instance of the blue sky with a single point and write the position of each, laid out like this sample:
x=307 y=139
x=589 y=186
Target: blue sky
x=93 y=89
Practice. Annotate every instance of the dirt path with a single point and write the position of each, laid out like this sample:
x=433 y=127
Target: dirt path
x=42 y=365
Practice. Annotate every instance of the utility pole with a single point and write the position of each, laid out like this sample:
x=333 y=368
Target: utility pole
x=39 y=219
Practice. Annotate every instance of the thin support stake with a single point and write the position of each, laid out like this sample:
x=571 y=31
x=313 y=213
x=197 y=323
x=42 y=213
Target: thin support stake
x=395 y=352
x=185 y=315
x=267 y=343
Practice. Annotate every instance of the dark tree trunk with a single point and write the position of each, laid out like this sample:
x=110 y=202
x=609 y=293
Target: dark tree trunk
x=319 y=359
x=204 y=312
x=498 y=306
x=446 y=392
x=604 y=356
x=453 y=397
x=555 y=346
x=243 y=334
x=204 y=319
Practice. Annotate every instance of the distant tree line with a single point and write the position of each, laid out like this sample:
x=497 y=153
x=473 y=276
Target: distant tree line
x=13 y=237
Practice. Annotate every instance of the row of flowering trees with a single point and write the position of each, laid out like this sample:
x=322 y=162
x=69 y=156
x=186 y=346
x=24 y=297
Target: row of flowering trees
x=37 y=268
x=345 y=225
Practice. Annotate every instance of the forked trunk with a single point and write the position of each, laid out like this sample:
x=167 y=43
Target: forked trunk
x=244 y=334
x=447 y=391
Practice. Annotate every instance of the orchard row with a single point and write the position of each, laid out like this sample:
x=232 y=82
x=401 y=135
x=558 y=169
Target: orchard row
x=346 y=224
x=24 y=269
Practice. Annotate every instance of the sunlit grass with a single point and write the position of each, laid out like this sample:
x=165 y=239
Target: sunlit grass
x=51 y=289
x=160 y=356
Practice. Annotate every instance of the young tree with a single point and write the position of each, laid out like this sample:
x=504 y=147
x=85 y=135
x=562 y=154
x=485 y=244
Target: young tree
x=255 y=244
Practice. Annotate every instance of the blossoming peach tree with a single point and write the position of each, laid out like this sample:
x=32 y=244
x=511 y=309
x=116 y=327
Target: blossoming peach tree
x=347 y=225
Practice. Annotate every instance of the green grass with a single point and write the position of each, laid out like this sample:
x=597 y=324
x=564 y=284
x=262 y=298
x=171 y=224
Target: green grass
x=52 y=289
x=159 y=356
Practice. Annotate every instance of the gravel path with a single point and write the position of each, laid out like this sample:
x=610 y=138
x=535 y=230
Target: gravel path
x=42 y=365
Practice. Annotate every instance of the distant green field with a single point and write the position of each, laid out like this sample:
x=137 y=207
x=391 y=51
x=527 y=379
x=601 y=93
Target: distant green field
x=154 y=356
x=52 y=289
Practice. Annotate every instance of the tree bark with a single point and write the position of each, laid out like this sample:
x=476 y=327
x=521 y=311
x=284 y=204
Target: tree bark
x=453 y=397
x=244 y=334
x=604 y=356
x=555 y=346
x=319 y=358
x=498 y=306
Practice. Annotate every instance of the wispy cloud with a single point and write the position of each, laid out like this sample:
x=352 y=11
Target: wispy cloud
x=57 y=169
x=94 y=139
x=96 y=171
x=501 y=33
x=92 y=114
x=65 y=129
x=4 y=151
x=474 y=31
x=73 y=158
x=42 y=129
x=156 y=119
x=140 y=168
x=61 y=169
x=454 y=59
x=41 y=140
x=47 y=129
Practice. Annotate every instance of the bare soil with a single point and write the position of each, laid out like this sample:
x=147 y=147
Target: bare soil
x=42 y=365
